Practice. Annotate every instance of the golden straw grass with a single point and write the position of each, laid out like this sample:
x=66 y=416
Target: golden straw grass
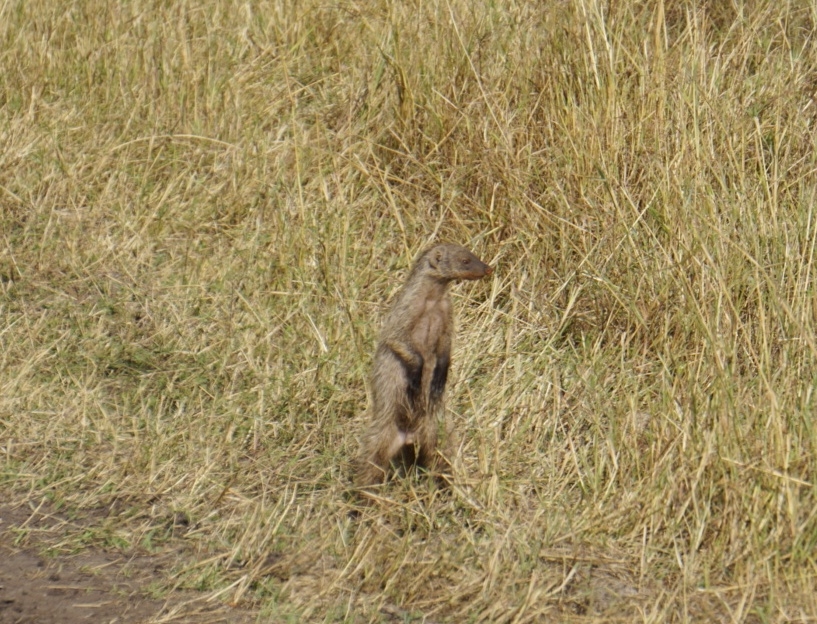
x=205 y=207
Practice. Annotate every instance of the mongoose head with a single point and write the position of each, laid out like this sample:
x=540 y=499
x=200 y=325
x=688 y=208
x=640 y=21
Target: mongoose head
x=448 y=262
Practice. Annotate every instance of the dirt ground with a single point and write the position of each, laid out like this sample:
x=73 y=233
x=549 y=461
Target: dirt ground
x=92 y=586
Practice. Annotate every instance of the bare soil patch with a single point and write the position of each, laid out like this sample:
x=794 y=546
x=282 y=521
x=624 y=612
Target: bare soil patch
x=94 y=585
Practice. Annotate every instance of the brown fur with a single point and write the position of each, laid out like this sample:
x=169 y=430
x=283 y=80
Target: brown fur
x=411 y=365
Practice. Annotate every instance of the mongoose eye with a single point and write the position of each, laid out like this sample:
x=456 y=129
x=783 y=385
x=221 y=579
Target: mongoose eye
x=466 y=261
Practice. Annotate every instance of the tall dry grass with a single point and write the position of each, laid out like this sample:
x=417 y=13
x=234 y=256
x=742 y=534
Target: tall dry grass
x=204 y=208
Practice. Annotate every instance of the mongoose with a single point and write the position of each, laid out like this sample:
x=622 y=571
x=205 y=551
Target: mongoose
x=411 y=365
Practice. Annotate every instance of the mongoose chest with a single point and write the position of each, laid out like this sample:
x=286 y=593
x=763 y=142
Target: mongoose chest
x=433 y=322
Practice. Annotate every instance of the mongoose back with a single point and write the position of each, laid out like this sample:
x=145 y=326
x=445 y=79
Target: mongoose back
x=411 y=364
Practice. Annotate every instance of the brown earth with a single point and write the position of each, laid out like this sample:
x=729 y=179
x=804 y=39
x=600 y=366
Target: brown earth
x=94 y=585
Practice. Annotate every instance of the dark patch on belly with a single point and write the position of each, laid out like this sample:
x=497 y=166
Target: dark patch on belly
x=439 y=377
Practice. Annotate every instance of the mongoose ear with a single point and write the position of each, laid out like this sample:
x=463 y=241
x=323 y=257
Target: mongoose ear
x=434 y=259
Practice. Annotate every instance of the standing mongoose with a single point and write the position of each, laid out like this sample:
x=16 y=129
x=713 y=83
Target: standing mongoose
x=411 y=365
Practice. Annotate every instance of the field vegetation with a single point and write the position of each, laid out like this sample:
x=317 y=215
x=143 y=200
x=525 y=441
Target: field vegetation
x=206 y=207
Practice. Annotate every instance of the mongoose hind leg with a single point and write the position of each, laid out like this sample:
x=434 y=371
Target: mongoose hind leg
x=437 y=457
x=369 y=473
x=429 y=457
x=380 y=448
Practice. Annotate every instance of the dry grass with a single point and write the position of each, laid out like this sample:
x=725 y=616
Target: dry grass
x=205 y=208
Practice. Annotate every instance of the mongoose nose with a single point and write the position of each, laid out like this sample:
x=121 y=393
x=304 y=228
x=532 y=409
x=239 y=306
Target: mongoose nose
x=488 y=270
